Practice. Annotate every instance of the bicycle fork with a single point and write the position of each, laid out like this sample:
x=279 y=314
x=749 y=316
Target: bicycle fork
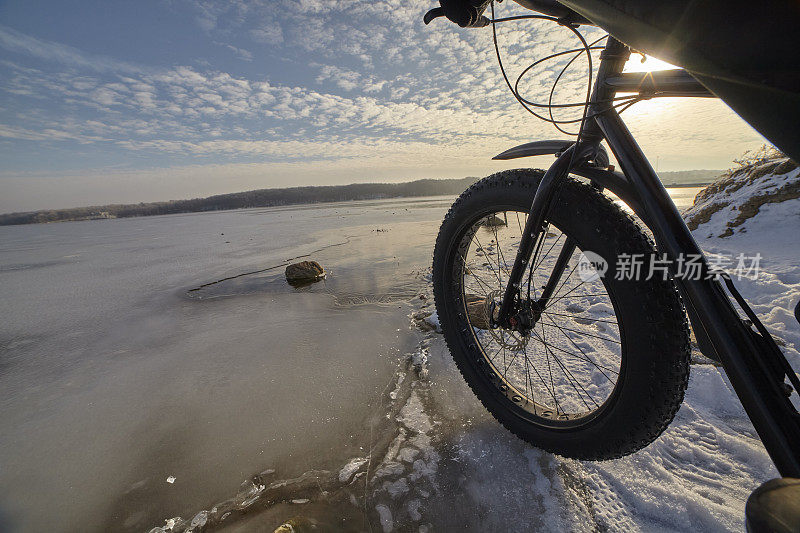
x=534 y=231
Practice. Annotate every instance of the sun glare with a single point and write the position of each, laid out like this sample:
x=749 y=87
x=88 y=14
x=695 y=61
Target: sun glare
x=650 y=64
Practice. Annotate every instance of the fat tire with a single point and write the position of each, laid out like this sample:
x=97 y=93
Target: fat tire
x=653 y=325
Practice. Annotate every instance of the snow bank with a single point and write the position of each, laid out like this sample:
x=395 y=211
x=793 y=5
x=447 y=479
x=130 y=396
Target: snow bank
x=699 y=473
x=731 y=204
x=752 y=210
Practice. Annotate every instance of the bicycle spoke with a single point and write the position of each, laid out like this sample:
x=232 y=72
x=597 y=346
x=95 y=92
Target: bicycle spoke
x=571 y=271
x=584 y=358
x=581 y=317
x=482 y=283
x=528 y=379
x=488 y=259
x=503 y=347
x=584 y=333
x=543 y=383
x=499 y=350
x=548 y=251
x=505 y=370
x=500 y=252
x=550 y=371
x=582 y=295
x=539 y=243
x=561 y=376
x=551 y=301
x=571 y=379
x=530 y=271
x=474 y=275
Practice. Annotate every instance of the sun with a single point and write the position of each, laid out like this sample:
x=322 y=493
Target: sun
x=650 y=64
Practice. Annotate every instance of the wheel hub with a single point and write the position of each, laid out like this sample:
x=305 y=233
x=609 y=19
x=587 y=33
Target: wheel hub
x=525 y=316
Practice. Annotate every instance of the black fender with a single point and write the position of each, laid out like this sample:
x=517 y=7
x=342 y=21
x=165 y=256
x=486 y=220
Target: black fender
x=546 y=147
x=598 y=172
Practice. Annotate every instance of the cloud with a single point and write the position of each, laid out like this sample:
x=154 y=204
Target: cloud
x=270 y=34
x=46 y=134
x=241 y=53
x=349 y=80
x=341 y=85
x=15 y=41
x=181 y=107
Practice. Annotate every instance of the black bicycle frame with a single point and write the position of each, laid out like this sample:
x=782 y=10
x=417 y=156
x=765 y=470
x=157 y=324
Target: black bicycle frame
x=750 y=366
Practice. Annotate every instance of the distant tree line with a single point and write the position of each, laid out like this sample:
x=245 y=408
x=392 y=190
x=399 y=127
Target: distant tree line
x=243 y=200
x=291 y=196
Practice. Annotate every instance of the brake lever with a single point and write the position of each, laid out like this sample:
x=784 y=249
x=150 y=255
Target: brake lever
x=436 y=12
x=482 y=22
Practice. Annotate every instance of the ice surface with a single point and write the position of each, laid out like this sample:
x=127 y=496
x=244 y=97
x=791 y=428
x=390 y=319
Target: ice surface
x=115 y=376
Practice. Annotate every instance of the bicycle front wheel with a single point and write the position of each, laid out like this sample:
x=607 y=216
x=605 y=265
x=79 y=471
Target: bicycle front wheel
x=601 y=367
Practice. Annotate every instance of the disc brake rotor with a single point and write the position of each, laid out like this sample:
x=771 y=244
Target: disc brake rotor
x=480 y=309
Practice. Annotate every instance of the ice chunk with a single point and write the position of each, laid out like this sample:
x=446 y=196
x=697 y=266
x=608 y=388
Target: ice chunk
x=351 y=468
x=387 y=523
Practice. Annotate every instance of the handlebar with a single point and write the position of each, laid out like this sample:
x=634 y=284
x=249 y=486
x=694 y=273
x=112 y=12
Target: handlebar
x=469 y=13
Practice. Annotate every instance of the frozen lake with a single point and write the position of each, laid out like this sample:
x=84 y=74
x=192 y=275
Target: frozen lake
x=117 y=375
x=114 y=374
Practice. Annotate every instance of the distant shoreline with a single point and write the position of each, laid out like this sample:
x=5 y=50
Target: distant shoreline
x=686 y=185
x=247 y=199
x=261 y=198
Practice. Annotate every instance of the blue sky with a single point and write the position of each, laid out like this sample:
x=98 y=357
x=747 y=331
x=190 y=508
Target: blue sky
x=123 y=101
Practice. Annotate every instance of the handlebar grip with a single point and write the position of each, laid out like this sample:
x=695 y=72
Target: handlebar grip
x=465 y=13
x=439 y=12
x=436 y=12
